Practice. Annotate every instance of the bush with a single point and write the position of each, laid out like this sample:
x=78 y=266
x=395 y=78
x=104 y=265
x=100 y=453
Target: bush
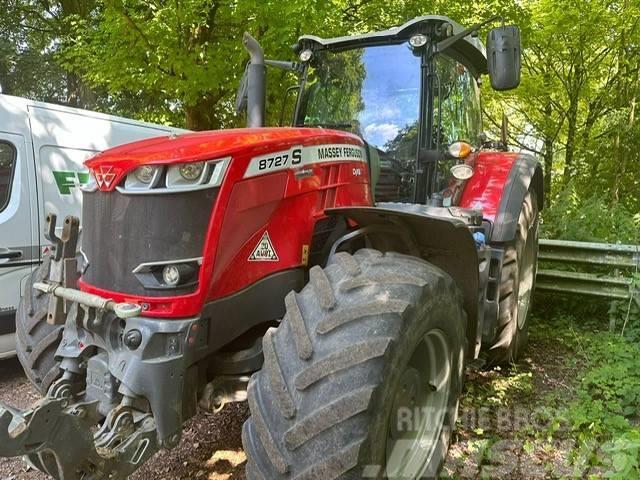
x=589 y=220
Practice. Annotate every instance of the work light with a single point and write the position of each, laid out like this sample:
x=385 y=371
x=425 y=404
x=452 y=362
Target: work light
x=418 y=41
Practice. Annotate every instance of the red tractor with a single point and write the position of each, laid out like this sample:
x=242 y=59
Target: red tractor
x=262 y=263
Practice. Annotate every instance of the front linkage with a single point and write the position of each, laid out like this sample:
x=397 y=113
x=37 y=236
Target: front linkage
x=114 y=364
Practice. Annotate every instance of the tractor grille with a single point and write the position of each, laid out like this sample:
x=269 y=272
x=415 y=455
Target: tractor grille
x=119 y=232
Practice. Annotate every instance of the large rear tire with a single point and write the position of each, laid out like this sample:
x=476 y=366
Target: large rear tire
x=517 y=287
x=36 y=340
x=363 y=375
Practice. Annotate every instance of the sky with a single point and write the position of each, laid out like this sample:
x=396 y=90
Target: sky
x=391 y=92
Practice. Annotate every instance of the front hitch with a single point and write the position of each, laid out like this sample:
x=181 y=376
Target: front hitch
x=127 y=381
x=57 y=439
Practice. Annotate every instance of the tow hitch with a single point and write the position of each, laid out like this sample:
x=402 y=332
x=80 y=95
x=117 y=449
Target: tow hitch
x=57 y=439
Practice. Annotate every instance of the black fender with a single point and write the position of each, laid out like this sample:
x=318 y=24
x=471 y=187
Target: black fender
x=525 y=173
x=444 y=242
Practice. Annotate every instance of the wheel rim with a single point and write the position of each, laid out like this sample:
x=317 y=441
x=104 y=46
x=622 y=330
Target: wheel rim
x=419 y=408
x=527 y=280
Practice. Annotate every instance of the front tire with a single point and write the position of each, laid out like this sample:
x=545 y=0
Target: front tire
x=36 y=340
x=363 y=376
x=517 y=286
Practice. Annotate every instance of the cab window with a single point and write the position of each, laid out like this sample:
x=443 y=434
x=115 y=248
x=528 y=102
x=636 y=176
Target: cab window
x=7 y=167
x=457 y=103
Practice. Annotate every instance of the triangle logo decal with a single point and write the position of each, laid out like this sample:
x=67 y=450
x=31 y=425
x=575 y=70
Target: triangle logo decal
x=264 y=251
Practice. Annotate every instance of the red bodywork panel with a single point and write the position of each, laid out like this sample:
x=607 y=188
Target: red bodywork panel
x=286 y=204
x=484 y=190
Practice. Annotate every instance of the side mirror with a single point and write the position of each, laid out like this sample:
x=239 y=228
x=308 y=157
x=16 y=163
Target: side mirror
x=504 y=57
x=241 y=95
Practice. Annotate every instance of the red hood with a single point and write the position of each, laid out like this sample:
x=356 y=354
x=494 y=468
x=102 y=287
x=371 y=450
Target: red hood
x=117 y=162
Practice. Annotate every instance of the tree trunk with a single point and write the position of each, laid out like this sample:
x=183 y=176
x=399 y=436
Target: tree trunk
x=203 y=115
x=548 y=168
x=572 y=122
x=78 y=93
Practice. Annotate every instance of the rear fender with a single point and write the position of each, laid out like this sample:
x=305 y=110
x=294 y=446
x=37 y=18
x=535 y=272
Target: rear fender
x=444 y=242
x=498 y=188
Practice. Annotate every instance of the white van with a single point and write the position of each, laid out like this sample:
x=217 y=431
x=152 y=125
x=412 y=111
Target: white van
x=42 y=150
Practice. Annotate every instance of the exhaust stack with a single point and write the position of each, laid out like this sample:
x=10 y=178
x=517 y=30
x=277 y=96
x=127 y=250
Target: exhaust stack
x=256 y=80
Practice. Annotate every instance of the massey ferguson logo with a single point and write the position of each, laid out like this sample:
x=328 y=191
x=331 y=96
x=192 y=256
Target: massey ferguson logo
x=105 y=176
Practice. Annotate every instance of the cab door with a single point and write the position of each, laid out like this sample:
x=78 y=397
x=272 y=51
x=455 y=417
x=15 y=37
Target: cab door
x=19 y=252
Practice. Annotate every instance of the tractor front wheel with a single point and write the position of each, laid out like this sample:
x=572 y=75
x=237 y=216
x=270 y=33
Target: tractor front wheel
x=516 y=288
x=362 y=377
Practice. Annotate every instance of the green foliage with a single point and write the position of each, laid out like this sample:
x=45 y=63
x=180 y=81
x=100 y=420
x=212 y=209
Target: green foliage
x=180 y=63
x=604 y=413
x=589 y=219
x=623 y=456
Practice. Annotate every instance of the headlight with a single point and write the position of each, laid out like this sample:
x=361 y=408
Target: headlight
x=175 y=178
x=191 y=171
x=145 y=174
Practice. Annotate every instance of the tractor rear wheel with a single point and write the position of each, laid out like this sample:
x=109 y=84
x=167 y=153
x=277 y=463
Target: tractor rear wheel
x=517 y=286
x=36 y=340
x=363 y=375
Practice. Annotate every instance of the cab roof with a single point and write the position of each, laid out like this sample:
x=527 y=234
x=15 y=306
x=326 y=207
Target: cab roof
x=470 y=48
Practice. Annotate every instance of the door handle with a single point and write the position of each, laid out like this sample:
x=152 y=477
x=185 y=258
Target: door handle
x=6 y=254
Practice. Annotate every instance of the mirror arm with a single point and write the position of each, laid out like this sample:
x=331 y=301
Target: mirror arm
x=289 y=66
x=447 y=42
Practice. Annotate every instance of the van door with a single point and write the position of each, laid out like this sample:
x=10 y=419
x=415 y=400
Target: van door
x=19 y=252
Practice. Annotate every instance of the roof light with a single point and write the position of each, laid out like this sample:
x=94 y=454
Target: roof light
x=306 y=55
x=418 y=40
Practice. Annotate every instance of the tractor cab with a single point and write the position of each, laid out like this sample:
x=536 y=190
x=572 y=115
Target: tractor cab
x=412 y=94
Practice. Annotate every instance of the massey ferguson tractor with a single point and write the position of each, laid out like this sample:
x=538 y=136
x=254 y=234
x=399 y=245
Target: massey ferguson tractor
x=337 y=274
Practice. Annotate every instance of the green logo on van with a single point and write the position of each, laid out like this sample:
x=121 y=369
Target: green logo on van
x=68 y=180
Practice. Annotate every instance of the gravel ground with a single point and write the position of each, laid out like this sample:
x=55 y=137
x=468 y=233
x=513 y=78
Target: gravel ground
x=486 y=446
x=211 y=446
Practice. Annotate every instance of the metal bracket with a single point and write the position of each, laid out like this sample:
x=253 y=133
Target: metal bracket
x=64 y=267
x=57 y=439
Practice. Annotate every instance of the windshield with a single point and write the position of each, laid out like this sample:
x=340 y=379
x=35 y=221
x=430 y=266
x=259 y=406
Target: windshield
x=373 y=92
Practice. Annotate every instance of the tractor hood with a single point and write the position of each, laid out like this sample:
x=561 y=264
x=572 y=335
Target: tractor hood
x=193 y=147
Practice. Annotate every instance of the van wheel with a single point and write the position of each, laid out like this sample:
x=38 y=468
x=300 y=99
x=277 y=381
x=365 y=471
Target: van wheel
x=362 y=377
x=36 y=340
x=517 y=285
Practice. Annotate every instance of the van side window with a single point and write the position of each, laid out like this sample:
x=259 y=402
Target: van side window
x=7 y=167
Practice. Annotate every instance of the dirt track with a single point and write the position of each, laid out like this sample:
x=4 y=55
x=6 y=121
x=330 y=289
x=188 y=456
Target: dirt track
x=485 y=446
